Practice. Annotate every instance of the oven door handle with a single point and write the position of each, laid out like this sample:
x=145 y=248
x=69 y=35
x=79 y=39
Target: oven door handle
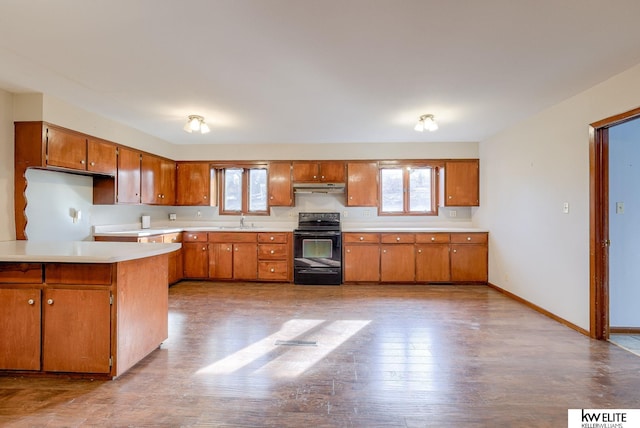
x=320 y=234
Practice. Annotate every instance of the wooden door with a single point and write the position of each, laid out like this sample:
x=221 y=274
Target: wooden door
x=76 y=330
x=66 y=149
x=432 y=263
x=167 y=182
x=280 y=191
x=221 y=261
x=193 y=184
x=462 y=183
x=361 y=263
x=245 y=261
x=332 y=172
x=102 y=157
x=20 y=332
x=362 y=184
x=306 y=172
x=397 y=263
x=128 y=176
x=150 y=181
x=195 y=259
x=469 y=263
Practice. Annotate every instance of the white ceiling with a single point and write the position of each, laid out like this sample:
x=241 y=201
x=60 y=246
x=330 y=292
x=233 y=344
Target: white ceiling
x=315 y=71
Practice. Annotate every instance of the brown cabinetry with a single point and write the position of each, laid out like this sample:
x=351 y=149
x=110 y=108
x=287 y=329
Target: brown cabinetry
x=325 y=171
x=397 y=257
x=233 y=255
x=195 y=255
x=461 y=183
x=129 y=179
x=274 y=256
x=280 y=191
x=194 y=184
x=432 y=257
x=469 y=257
x=20 y=333
x=362 y=184
x=158 y=181
x=361 y=257
x=102 y=157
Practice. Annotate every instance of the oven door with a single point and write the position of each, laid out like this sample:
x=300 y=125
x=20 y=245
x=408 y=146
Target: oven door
x=317 y=249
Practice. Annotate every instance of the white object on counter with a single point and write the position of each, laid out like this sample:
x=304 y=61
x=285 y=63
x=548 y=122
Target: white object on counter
x=146 y=222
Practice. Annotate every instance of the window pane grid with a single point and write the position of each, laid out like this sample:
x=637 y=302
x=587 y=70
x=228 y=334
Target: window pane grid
x=407 y=190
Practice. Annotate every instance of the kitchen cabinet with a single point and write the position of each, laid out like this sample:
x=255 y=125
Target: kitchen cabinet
x=469 y=257
x=233 y=255
x=361 y=257
x=280 y=190
x=274 y=256
x=158 y=181
x=129 y=178
x=314 y=172
x=432 y=257
x=195 y=255
x=194 y=184
x=397 y=257
x=362 y=184
x=65 y=148
x=20 y=333
x=461 y=179
x=102 y=157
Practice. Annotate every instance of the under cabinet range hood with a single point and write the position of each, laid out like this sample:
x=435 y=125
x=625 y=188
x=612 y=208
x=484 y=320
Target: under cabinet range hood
x=318 y=187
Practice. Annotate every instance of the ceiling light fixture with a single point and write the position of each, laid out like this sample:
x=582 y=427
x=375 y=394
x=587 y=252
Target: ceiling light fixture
x=196 y=123
x=426 y=121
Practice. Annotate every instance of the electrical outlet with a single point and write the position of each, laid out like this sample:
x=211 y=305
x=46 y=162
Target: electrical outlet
x=619 y=207
x=366 y=213
x=172 y=217
x=198 y=214
x=345 y=214
x=453 y=213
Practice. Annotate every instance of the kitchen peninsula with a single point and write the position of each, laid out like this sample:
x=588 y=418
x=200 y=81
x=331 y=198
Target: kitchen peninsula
x=88 y=308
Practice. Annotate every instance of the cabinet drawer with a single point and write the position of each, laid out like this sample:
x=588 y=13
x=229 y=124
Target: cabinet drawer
x=278 y=238
x=194 y=236
x=398 y=238
x=21 y=273
x=231 y=237
x=432 y=238
x=78 y=273
x=171 y=238
x=276 y=270
x=273 y=251
x=157 y=239
x=469 y=238
x=371 y=238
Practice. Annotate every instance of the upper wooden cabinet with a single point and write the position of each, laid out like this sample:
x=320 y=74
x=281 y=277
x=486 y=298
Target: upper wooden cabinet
x=362 y=184
x=280 y=192
x=461 y=183
x=195 y=184
x=65 y=148
x=128 y=181
x=325 y=171
x=102 y=156
x=158 y=181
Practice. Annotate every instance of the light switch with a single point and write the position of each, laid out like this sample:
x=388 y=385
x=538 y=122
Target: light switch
x=565 y=208
x=619 y=207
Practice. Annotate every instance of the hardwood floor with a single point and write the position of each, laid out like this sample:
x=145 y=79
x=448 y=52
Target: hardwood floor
x=385 y=356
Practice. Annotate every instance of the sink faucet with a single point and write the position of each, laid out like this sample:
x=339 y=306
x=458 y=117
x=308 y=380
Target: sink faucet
x=242 y=220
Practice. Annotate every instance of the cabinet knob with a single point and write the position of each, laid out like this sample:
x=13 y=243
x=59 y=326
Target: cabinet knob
x=362 y=238
x=348 y=251
x=228 y=248
x=272 y=270
x=455 y=251
x=271 y=197
x=468 y=238
x=236 y=248
x=93 y=164
x=205 y=196
x=271 y=238
x=397 y=238
x=173 y=239
x=204 y=248
x=384 y=251
x=82 y=161
x=322 y=177
x=450 y=197
x=420 y=251
x=50 y=301
x=31 y=301
x=433 y=238
x=195 y=236
x=272 y=252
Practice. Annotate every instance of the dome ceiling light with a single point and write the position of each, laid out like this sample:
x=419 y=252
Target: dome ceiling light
x=196 y=123
x=426 y=121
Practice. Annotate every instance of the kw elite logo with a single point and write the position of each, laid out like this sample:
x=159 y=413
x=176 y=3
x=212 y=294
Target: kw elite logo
x=604 y=418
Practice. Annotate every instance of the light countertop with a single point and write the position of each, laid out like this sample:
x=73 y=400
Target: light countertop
x=80 y=251
x=410 y=229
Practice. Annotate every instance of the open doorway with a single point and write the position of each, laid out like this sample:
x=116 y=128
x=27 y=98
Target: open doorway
x=600 y=222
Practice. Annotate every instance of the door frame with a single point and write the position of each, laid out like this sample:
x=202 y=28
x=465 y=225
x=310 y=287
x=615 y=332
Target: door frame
x=599 y=221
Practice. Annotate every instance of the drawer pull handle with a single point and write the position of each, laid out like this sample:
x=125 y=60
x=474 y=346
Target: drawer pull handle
x=272 y=270
x=273 y=252
x=362 y=238
x=397 y=238
x=468 y=238
x=50 y=301
x=195 y=236
x=271 y=238
x=433 y=238
x=31 y=301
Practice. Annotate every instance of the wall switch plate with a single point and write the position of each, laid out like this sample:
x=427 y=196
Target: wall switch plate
x=565 y=208
x=619 y=207
x=453 y=213
x=172 y=217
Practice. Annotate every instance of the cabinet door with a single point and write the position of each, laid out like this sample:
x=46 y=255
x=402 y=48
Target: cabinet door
x=193 y=184
x=168 y=182
x=102 y=157
x=462 y=183
x=332 y=172
x=245 y=261
x=306 y=172
x=76 y=330
x=128 y=176
x=362 y=184
x=469 y=263
x=432 y=263
x=66 y=149
x=361 y=263
x=397 y=263
x=20 y=333
x=175 y=266
x=195 y=259
x=280 y=192
x=220 y=261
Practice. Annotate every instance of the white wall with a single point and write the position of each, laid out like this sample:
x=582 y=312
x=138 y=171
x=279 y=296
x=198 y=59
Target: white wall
x=624 y=227
x=527 y=173
x=7 y=225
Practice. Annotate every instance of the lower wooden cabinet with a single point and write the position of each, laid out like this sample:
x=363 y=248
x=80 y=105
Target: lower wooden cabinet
x=469 y=257
x=20 y=334
x=275 y=260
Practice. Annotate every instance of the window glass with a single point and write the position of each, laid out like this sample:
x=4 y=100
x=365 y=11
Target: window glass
x=408 y=190
x=257 y=190
x=420 y=189
x=391 y=182
x=233 y=189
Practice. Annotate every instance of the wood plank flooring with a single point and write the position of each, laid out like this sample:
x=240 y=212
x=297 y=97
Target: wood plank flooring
x=385 y=356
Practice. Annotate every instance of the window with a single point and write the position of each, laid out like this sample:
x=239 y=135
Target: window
x=244 y=190
x=408 y=190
